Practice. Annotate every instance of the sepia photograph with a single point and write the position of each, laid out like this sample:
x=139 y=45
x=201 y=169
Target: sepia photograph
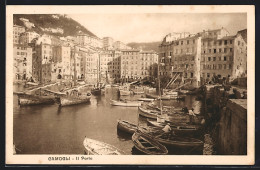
x=130 y=85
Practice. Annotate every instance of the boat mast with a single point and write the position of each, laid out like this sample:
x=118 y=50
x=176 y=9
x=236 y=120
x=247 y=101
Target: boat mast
x=159 y=86
x=75 y=74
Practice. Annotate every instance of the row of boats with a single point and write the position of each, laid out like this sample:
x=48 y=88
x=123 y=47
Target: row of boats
x=151 y=139
x=148 y=140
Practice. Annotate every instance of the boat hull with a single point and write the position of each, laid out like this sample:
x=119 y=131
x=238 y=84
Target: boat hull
x=26 y=99
x=67 y=101
x=148 y=114
x=94 y=147
x=125 y=104
x=96 y=92
x=181 y=129
x=147 y=145
x=124 y=92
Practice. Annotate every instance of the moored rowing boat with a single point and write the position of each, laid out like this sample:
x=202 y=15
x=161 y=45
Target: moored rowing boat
x=126 y=103
x=94 y=147
x=148 y=145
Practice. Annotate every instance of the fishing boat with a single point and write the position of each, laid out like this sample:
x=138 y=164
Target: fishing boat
x=148 y=145
x=94 y=147
x=145 y=99
x=35 y=96
x=130 y=128
x=29 y=99
x=126 y=103
x=124 y=92
x=165 y=108
x=73 y=96
x=148 y=113
x=173 y=141
x=138 y=92
x=178 y=128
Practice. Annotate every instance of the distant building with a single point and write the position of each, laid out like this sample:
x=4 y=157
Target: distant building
x=118 y=45
x=87 y=40
x=27 y=23
x=136 y=64
x=17 y=30
x=110 y=65
x=108 y=42
x=22 y=66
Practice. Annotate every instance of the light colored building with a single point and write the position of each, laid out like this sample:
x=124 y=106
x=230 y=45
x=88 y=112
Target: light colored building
x=17 y=30
x=118 y=45
x=87 y=40
x=136 y=64
x=22 y=66
x=61 y=66
x=108 y=42
x=110 y=65
x=208 y=53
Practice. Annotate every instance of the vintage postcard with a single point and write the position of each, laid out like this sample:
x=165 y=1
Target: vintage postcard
x=136 y=85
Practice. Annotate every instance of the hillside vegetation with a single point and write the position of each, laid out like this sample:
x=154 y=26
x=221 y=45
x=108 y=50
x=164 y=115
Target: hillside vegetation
x=69 y=26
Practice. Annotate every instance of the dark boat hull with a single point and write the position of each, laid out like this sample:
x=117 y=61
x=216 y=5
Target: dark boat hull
x=27 y=99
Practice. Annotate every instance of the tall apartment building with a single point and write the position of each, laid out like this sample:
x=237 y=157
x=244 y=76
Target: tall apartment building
x=136 y=64
x=17 y=30
x=108 y=42
x=222 y=55
x=208 y=53
x=110 y=65
x=22 y=66
x=61 y=66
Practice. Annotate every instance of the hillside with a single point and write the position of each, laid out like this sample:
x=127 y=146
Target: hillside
x=48 y=23
x=145 y=46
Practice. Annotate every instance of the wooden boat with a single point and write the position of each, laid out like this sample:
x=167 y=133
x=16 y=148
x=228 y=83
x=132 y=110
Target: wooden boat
x=130 y=128
x=29 y=99
x=124 y=92
x=74 y=96
x=138 y=92
x=165 y=108
x=165 y=97
x=148 y=113
x=148 y=145
x=178 y=128
x=125 y=103
x=94 y=147
x=145 y=99
x=173 y=141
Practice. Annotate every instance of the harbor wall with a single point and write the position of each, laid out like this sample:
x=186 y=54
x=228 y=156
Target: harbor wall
x=226 y=111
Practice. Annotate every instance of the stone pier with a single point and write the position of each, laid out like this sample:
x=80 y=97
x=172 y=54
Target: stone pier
x=227 y=110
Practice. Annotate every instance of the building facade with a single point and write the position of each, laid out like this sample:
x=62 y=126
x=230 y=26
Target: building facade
x=22 y=66
x=87 y=40
x=200 y=57
x=17 y=30
x=138 y=65
x=108 y=43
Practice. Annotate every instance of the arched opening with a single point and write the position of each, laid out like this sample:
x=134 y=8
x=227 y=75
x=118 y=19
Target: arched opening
x=59 y=76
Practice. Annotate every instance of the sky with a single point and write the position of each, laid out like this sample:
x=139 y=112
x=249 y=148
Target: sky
x=151 y=27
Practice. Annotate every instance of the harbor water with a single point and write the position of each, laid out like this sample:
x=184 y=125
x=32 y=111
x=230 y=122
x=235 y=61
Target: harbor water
x=50 y=129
